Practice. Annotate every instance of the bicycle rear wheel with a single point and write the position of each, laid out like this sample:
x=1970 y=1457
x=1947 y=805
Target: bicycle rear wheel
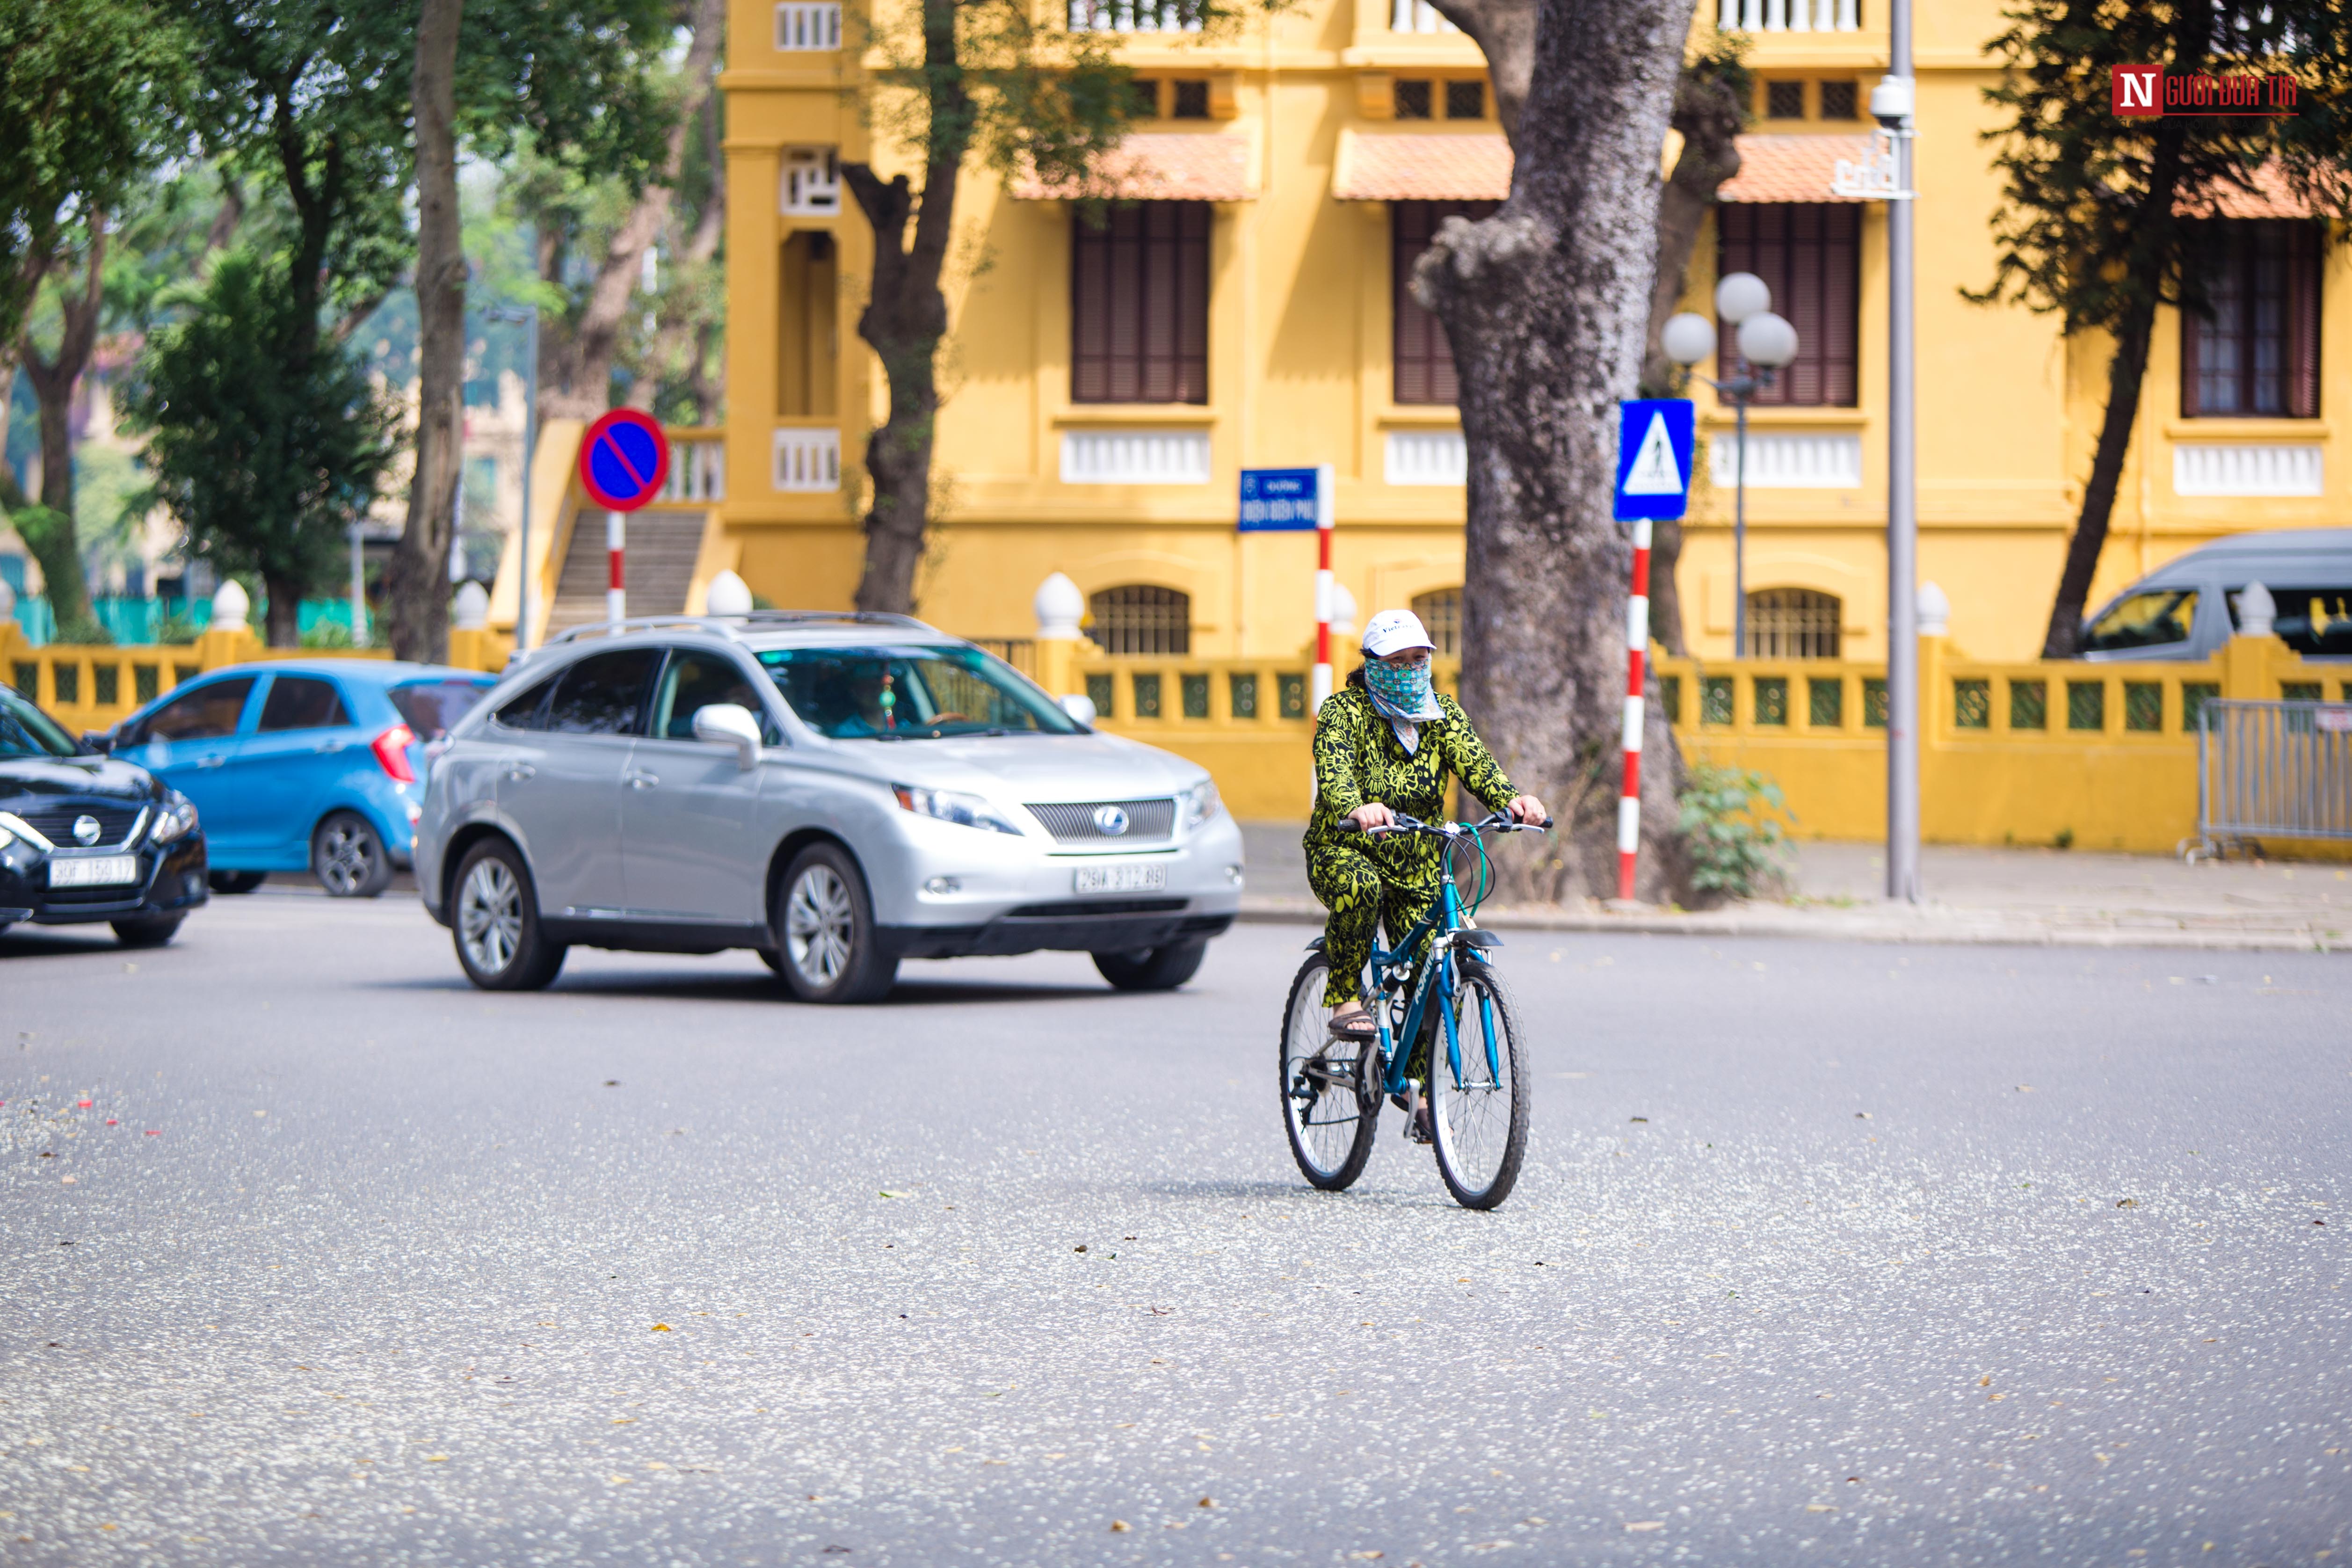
x=1331 y=1125
x=1480 y=1114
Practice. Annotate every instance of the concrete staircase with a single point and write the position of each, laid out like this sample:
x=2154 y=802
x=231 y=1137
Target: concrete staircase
x=662 y=548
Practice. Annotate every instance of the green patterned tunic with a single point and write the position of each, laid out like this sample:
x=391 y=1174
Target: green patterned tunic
x=1359 y=759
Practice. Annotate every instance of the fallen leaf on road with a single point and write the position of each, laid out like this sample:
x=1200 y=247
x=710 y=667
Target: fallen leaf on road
x=1646 y=1524
x=1119 y=1527
x=1985 y=1381
x=2126 y=1202
x=888 y=1193
x=662 y=1329
x=437 y=1459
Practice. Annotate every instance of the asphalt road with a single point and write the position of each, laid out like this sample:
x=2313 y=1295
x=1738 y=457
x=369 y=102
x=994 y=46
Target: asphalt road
x=1824 y=1254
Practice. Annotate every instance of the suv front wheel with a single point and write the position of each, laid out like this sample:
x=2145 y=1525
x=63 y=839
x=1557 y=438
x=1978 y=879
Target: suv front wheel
x=494 y=920
x=826 y=947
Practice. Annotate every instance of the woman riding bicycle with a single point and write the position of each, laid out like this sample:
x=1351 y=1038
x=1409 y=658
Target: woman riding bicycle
x=1383 y=744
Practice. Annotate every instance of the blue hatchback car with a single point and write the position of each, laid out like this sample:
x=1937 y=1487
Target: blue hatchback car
x=314 y=764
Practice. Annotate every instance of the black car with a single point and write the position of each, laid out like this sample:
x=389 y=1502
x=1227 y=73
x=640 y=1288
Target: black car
x=85 y=839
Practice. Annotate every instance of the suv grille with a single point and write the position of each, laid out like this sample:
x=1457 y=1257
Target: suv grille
x=55 y=823
x=1073 y=822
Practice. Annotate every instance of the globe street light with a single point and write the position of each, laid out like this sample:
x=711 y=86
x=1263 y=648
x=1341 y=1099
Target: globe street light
x=1765 y=344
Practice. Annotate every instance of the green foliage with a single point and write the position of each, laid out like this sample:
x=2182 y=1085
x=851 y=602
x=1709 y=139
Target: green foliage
x=2089 y=226
x=89 y=93
x=1733 y=821
x=266 y=453
x=328 y=632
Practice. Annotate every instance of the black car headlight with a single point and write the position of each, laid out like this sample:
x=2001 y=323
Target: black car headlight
x=174 y=819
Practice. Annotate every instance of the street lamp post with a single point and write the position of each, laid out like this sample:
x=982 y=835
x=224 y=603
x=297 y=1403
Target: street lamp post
x=523 y=603
x=1891 y=102
x=1886 y=177
x=1765 y=344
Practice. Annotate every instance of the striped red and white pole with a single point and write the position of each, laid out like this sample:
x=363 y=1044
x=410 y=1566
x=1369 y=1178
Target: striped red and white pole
x=1637 y=643
x=1325 y=516
x=616 y=599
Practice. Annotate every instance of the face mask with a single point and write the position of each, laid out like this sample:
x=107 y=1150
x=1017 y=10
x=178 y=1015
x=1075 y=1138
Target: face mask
x=1403 y=690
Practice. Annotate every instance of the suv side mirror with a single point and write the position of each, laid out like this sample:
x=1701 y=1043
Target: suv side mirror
x=729 y=725
x=1082 y=709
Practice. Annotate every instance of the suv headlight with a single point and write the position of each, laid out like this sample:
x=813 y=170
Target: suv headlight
x=1200 y=803
x=177 y=819
x=952 y=805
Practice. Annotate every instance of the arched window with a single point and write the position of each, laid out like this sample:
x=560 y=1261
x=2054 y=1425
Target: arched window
x=1442 y=613
x=1141 y=619
x=1793 y=623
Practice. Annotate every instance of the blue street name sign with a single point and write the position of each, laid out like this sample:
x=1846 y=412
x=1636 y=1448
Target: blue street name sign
x=1279 y=500
x=1655 y=441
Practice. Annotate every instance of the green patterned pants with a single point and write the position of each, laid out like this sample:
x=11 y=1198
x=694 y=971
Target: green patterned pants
x=1344 y=879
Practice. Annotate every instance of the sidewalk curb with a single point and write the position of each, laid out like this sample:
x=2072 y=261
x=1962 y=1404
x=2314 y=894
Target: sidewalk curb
x=1931 y=924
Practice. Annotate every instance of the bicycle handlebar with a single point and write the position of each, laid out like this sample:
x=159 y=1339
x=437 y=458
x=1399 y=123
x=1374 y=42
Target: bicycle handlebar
x=1499 y=822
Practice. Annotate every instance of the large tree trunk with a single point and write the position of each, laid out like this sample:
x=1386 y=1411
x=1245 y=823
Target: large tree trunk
x=905 y=316
x=2064 y=638
x=57 y=547
x=1505 y=32
x=2126 y=372
x=584 y=388
x=418 y=583
x=1546 y=304
x=281 y=619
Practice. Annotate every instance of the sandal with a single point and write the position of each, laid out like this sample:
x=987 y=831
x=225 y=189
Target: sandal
x=1356 y=1029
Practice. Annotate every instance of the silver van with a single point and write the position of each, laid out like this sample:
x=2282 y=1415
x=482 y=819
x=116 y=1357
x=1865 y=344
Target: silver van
x=2188 y=608
x=836 y=791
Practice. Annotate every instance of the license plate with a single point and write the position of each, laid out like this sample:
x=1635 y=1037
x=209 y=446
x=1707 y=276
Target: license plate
x=93 y=870
x=1120 y=879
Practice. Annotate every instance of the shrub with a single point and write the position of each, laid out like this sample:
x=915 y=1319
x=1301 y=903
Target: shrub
x=1733 y=820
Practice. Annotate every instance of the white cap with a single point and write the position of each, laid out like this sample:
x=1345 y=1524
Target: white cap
x=1393 y=631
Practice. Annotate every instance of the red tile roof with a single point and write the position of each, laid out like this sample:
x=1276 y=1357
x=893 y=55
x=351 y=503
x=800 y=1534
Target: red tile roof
x=1792 y=168
x=1158 y=167
x=2272 y=197
x=1385 y=167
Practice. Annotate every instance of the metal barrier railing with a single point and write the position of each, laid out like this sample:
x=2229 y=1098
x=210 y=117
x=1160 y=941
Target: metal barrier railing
x=2274 y=769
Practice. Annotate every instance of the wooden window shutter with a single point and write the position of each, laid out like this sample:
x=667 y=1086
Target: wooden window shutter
x=2305 y=251
x=1139 y=305
x=1422 y=358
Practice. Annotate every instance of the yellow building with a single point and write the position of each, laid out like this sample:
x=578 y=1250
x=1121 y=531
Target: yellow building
x=1105 y=388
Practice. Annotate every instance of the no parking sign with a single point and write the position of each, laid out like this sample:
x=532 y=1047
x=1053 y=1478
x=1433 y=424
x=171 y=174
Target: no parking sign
x=624 y=460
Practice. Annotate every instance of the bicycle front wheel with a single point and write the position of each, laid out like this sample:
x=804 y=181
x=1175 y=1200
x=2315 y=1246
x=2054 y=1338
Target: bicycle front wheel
x=1478 y=1106
x=1331 y=1125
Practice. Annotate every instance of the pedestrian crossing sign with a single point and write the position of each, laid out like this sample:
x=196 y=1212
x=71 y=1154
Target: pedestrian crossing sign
x=1655 y=445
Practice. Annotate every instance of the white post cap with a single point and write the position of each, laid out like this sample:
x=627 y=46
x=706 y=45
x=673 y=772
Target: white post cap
x=231 y=605
x=2257 y=611
x=1058 y=607
x=1935 y=611
x=471 y=608
x=1343 y=610
x=727 y=595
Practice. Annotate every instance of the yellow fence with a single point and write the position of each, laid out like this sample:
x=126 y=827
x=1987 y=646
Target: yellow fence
x=94 y=687
x=2099 y=755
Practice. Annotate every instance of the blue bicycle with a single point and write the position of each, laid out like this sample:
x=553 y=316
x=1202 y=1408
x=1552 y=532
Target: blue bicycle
x=1452 y=1006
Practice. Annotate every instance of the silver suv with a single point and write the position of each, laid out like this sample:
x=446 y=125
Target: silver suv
x=836 y=791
